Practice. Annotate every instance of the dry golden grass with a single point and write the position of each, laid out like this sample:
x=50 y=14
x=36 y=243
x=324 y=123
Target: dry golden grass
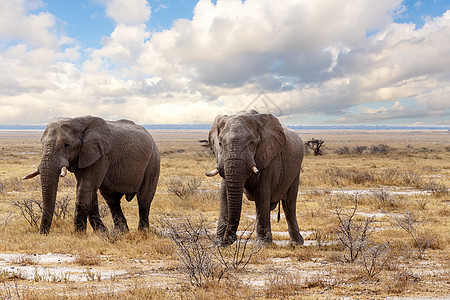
x=413 y=176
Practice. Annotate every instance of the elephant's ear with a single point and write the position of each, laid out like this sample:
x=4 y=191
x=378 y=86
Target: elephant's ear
x=214 y=132
x=96 y=140
x=272 y=140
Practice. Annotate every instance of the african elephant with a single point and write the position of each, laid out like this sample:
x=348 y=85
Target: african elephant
x=257 y=156
x=117 y=157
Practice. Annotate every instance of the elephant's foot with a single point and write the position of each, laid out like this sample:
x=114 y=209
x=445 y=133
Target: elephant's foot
x=228 y=239
x=120 y=225
x=143 y=225
x=263 y=236
x=262 y=242
x=297 y=240
x=45 y=227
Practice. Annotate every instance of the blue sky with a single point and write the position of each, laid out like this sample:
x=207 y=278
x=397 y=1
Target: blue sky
x=384 y=62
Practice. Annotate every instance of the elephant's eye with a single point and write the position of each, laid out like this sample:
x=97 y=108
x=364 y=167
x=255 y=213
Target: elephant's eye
x=66 y=145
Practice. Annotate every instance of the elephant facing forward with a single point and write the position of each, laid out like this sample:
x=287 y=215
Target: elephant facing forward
x=257 y=156
x=116 y=157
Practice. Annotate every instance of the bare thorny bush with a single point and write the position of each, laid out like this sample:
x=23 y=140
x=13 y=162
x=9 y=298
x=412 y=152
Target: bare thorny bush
x=31 y=209
x=409 y=223
x=183 y=188
x=200 y=257
x=354 y=236
x=13 y=290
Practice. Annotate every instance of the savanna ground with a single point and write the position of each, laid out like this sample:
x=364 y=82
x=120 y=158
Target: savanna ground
x=374 y=210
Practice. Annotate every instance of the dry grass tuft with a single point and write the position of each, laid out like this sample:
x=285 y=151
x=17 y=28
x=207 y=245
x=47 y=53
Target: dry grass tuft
x=87 y=259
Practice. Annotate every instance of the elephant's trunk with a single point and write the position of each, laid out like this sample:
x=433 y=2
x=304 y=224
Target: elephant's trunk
x=49 y=180
x=236 y=173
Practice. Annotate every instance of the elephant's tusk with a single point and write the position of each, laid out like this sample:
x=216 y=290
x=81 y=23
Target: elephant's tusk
x=255 y=170
x=63 y=172
x=212 y=173
x=31 y=175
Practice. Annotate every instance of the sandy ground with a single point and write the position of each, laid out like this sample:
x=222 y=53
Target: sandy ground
x=57 y=272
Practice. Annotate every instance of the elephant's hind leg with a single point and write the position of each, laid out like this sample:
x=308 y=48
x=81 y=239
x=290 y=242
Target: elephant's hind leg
x=113 y=200
x=289 y=206
x=146 y=194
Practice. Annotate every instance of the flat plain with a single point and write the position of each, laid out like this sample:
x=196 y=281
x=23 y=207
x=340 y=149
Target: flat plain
x=374 y=209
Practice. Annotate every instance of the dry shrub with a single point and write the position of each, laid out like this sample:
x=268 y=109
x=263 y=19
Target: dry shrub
x=433 y=239
x=138 y=291
x=359 y=149
x=281 y=284
x=343 y=150
x=62 y=207
x=6 y=220
x=422 y=203
x=304 y=254
x=201 y=259
x=401 y=281
x=183 y=187
x=422 y=240
x=30 y=209
x=338 y=176
x=389 y=177
x=384 y=199
x=409 y=177
x=375 y=259
x=190 y=236
x=322 y=236
x=228 y=288
x=435 y=188
x=380 y=149
x=87 y=259
x=443 y=212
x=354 y=236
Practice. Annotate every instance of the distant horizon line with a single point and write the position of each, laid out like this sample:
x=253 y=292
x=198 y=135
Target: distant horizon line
x=296 y=127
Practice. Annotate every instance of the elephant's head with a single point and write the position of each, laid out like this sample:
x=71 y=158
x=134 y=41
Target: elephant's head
x=68 y=144
x=244 y=145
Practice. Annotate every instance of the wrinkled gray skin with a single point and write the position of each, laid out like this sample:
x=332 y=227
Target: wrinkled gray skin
x=118 y=158
x=245 y=140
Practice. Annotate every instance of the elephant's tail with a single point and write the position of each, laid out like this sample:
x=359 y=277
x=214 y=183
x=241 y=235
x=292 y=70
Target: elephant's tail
x=279 y=213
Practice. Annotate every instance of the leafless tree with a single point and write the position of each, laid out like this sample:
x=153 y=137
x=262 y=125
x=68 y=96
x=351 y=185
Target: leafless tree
x=315 y=145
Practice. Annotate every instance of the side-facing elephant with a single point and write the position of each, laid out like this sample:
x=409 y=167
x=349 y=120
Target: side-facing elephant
x=257 y=156
x=116 y=157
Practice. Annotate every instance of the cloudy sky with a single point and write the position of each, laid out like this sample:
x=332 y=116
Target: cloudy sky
x=320 y=62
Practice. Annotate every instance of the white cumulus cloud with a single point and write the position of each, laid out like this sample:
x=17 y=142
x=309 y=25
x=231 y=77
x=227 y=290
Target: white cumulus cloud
x=346 y=61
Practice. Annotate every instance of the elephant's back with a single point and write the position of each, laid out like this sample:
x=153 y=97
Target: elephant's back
x=294 y=142
x=132 y=138
x=127 y=129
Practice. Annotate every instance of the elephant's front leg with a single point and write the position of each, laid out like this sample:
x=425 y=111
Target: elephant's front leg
x=87 y=206
x=87 y=202
x=263 y=228
x=94 y=215
x=223 y=213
